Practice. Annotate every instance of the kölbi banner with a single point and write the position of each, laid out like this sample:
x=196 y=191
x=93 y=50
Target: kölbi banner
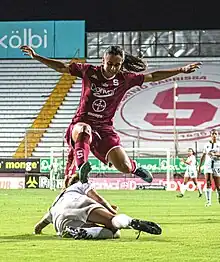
x=55 y=39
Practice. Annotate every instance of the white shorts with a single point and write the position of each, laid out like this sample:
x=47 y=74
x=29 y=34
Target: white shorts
x=216 y=172
x=74 y=213
x=190 y=174
x=208 y=170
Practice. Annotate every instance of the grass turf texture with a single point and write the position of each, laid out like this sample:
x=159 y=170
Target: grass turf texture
x=190 y=231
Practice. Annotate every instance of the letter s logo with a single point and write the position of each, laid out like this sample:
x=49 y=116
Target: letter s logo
x=79 y=153
x=202 y=110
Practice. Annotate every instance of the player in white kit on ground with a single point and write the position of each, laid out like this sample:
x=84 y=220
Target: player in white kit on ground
x=76 y=212
x=191 y=172
x=211 y=154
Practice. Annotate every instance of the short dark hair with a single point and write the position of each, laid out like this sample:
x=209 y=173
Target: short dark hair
x=131 y=63
x=213 y=130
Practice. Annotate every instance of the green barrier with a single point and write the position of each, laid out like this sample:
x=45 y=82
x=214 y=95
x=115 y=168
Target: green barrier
x=158 y=165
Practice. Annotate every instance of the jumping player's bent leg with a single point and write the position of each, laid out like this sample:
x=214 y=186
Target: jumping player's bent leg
x=81 y=135
x=119 y=158
x=70 y=168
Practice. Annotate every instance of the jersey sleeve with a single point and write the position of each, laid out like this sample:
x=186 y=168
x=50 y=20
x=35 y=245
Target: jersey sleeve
x=134 y=79
x=78 y=69
x=48 y=217
x=87 y=187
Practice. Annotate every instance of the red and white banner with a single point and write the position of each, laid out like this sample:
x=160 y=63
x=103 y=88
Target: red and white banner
x=12 y=182
x=151 y=107
x=132 y=183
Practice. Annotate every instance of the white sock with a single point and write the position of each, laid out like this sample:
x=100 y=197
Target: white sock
x=99 y=233
x=183 y=189
x=208 y=194
x=199 y=188
x=121 y=221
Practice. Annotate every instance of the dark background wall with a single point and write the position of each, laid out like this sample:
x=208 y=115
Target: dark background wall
x=118 y=15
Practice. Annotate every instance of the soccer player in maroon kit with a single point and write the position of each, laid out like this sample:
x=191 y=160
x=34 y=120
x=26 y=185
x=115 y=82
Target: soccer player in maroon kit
x=103 y=87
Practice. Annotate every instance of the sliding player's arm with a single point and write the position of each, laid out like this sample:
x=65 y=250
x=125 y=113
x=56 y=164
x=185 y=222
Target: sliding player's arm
x=95 y=196
x=45 y=221
x=163 y=74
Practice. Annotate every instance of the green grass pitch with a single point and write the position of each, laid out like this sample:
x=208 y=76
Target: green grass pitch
x=191 y=232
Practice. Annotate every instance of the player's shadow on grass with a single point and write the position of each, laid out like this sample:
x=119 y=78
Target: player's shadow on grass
x=27 y=237
x=199 y=221
x=30 y=237
x=191 y=215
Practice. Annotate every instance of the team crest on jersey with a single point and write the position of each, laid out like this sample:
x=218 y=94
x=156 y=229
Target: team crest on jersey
x=99 y=105
x=150 y=109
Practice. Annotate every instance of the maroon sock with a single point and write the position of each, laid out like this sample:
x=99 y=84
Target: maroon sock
x=133 y=166
x=82 y=148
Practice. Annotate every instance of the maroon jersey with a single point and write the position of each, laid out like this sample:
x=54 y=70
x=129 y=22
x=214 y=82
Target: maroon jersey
x=100 y=97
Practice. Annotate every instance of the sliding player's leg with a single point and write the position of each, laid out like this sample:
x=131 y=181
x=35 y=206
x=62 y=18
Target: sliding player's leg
x=112 y=224
x=122 y=221
x=93 y=232
x=69 y=227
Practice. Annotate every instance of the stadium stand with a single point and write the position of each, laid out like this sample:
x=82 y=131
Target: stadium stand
x=38 y=103
x=26 y=86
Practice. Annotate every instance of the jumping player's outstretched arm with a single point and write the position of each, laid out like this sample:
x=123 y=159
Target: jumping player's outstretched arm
x=163 y=74
x=54 y=64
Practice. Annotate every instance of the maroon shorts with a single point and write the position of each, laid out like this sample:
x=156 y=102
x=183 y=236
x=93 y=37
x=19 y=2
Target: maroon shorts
x=103 y=140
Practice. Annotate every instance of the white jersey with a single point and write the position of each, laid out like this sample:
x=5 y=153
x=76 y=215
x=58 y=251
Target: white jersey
x=191 y=168
x=209 y=161
x=73 y=192
x=72 y=207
